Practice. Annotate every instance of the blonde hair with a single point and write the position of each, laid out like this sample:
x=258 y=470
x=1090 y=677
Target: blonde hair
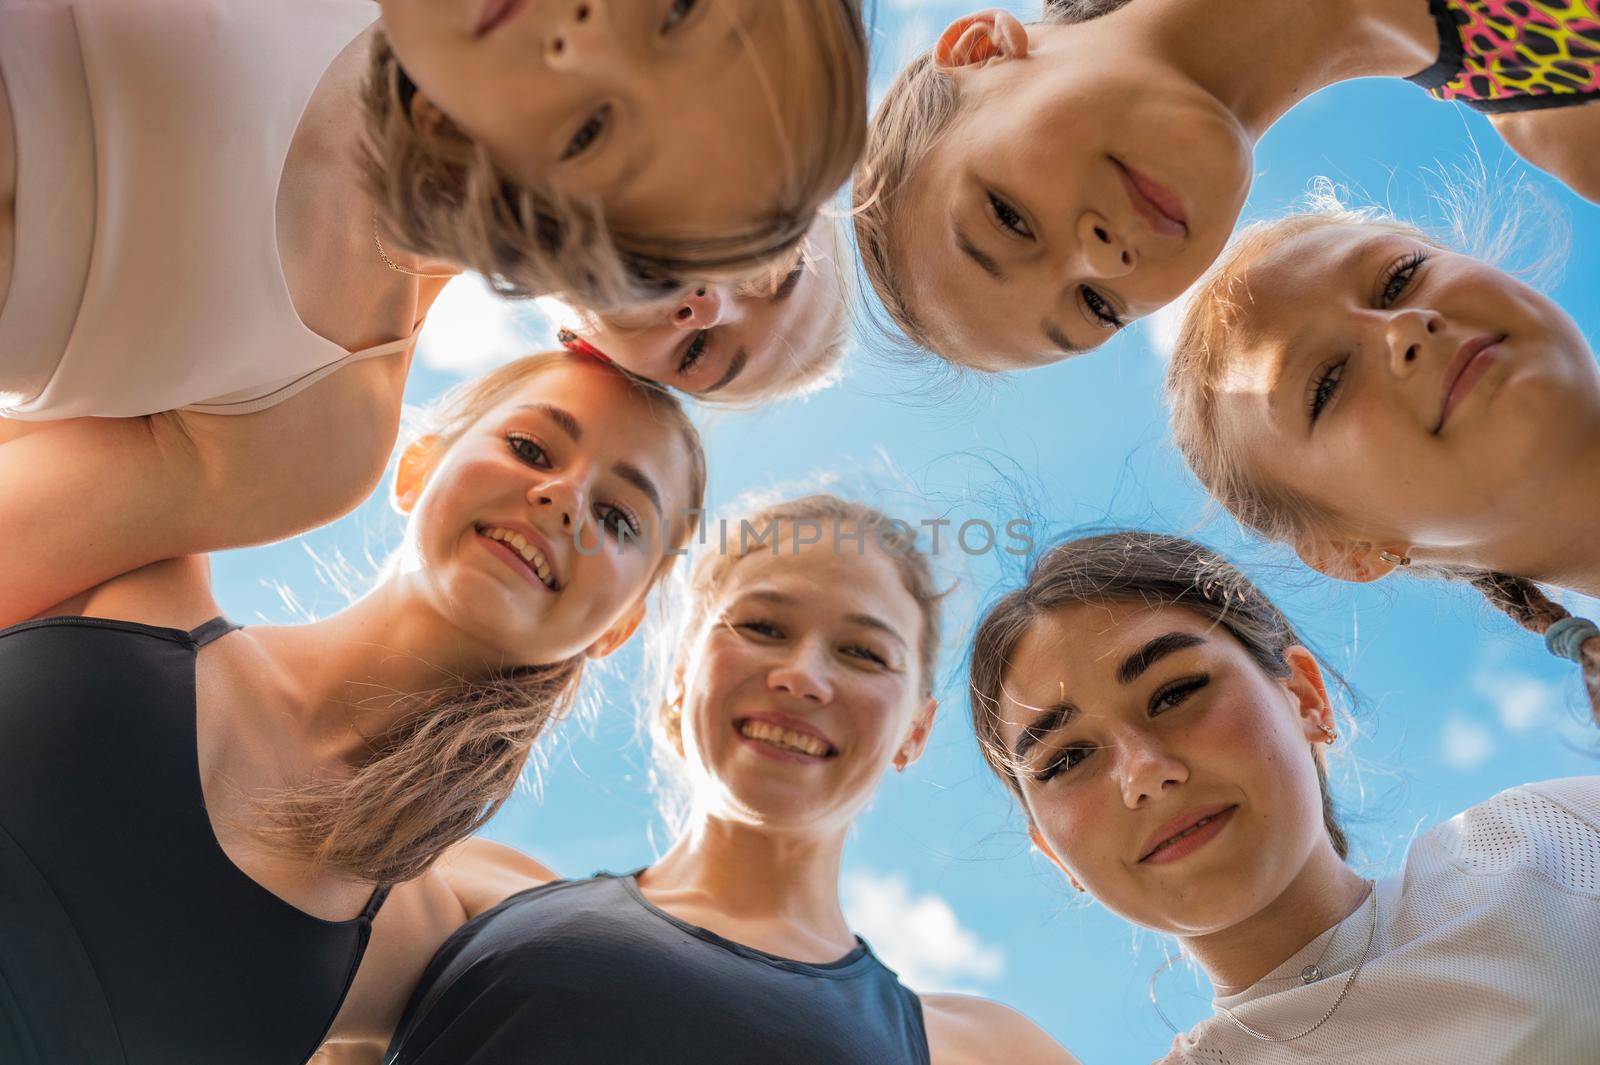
x=912 y=118
x=453 y=759
x=1206 y=344
x=439 y=194
x=671 y=642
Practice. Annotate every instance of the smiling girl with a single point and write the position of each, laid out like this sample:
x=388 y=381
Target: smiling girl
x=226 y=222
x=1347 y=384
x=1028 y=190
x=1163 y=726
x=801 y=676
x=199 y=822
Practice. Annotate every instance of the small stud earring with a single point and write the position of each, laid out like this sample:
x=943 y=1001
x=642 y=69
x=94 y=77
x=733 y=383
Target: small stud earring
x=1394 y=559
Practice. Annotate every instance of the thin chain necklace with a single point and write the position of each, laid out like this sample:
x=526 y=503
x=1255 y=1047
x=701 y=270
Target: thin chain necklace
x=1309 y=975
x=390 y=263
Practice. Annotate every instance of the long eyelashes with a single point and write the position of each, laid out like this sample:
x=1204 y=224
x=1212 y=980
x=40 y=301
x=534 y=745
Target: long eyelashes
x=1324 y=383
x=695 y=351
x=1399 y=277
x=527 y=449
x=1101 y=308
x=1008 y=217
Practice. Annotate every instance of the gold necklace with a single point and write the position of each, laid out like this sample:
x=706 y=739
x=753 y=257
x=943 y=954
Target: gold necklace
x=390 y=263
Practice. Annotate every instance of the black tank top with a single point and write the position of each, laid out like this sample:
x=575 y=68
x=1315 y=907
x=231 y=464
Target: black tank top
x=581 y=972
x=127 y=936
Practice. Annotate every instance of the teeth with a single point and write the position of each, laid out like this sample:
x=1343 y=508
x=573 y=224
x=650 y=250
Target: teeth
x=1191 y=830
x=530 y=554
x=783 y=738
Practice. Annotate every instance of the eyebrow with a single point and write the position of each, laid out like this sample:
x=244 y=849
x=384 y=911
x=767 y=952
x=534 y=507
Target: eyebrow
x=787 y=286
x=1058 y=336
x=640 y=480
x=1036 y=730
x=735 y=368
x=564 y=421
x=970 y=250
x=864 y=620
x=1134 y=665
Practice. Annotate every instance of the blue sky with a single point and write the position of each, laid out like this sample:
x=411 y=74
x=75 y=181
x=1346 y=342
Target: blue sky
x=1456 y=705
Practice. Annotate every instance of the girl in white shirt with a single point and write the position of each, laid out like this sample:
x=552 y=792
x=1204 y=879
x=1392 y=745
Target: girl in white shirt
x=1163 y=727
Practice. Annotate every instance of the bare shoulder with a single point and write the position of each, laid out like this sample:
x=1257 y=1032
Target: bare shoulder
x=1558 y=140
x=967 y=1030
x=483 y=873
x=173 y=594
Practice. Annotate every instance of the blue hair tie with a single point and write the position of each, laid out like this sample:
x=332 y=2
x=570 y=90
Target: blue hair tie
x=1566 y=637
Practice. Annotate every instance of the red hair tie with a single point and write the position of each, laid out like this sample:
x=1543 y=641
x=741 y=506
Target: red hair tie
x=575 y=343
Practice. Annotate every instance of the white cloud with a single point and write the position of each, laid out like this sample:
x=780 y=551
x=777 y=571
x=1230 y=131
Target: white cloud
x=470 y=329
x=1465 y=744
x=918 y=936
x=1522 y=703
x=1162 y=329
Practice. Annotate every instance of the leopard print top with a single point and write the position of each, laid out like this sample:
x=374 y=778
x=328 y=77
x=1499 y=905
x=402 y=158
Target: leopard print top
x=1515 y=55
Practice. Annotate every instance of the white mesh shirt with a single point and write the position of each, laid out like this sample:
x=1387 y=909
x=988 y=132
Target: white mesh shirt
x=1486 y=950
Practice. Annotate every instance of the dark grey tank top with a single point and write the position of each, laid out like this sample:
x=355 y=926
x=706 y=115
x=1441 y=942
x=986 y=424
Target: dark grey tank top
x=580 y=972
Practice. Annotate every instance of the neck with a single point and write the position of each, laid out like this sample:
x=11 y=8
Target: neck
x=1261 y=57
x=1548 y=534
x=751 y=873
x=354 y=675
x=1324 y=893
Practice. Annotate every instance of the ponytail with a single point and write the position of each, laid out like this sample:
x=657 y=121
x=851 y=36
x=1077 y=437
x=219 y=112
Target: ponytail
x=432 y=781
x=1566 y=636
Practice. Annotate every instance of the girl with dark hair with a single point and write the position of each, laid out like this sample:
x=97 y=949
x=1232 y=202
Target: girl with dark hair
x=1347 y=384
x=199 y=823
x=796 y=678
x=224 y=222
x=1028 y=190
x=1163 y=726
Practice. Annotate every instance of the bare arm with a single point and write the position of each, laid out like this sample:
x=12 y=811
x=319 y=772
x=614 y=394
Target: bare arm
x=965 y=1030
x=1562 y=141
x=86 y=500
x=469 y=878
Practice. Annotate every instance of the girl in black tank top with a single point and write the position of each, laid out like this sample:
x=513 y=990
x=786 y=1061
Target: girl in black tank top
x=811 y=674
x=134 y=750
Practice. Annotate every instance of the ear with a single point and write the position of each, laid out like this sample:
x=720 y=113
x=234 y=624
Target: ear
x=617 y=634
x=917 y=741
x=1310 y=694
x=973 y=40
x=411 y=475
x=1043 y=848
x=1358 y=561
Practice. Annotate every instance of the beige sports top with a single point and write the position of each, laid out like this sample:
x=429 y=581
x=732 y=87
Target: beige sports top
x=151 y=135
x=1486 y=951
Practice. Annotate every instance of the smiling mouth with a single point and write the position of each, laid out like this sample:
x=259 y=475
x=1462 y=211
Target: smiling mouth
x=1158 y=205
x=785 y=739
x=1178 y=837
x=530 y=555
x=495 y=13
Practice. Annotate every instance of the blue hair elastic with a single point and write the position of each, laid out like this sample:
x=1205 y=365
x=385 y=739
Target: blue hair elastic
x=1566 y=637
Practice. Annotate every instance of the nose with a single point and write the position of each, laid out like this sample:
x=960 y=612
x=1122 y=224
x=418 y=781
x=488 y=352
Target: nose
x=802 y=674
x=1148 y=770
x=573 y=32
x=1409 y=336
x=701 y=307
x=561 y=498
x=1105 y=254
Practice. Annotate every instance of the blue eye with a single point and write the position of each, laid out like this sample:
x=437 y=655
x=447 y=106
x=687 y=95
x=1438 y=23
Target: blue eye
x=527 y=449
x=1323 y=387
x=1400 y=277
